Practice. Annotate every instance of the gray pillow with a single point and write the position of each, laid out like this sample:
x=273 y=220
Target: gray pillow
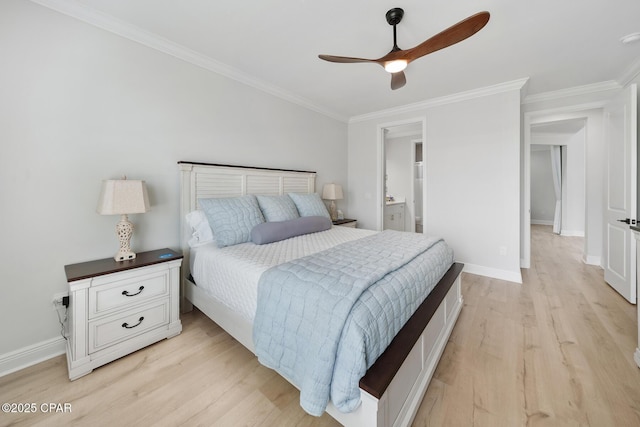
x=269 y=232
x=277 y=208
x=232 y=218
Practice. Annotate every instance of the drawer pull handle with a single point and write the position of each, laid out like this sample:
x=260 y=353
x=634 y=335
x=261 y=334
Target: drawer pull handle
x=126 y=325
x=127 y=294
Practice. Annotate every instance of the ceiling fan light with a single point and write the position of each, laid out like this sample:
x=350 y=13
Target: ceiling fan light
x=395 y=66
x=630 y=38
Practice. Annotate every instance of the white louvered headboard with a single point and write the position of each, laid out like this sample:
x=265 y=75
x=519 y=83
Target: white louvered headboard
x=204 y=180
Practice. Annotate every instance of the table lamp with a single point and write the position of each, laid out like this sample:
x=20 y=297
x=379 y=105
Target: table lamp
x=123 y=197
x=332 y=192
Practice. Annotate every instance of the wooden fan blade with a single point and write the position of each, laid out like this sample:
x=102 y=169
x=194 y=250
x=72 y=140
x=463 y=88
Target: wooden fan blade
x=452 y=35
x=398 y=80
x=344 y=59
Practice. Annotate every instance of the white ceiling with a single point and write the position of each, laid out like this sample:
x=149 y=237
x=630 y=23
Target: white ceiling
x=274 y=44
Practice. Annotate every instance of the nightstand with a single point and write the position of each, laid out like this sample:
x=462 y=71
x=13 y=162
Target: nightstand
x=116 y=308
x=346 y=222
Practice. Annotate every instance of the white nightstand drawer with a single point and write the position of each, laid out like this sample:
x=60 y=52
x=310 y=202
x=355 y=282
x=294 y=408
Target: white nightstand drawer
x=121 y=294
x=111 y=330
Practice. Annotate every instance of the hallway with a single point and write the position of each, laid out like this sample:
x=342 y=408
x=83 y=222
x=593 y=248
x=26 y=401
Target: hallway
x=554 y=351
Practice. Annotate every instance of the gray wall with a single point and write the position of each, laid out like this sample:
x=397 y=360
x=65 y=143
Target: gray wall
x=80 y=105
x=471 y=180
x=543 y=198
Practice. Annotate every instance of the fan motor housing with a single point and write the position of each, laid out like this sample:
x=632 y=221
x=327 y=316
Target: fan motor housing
x=394 y=16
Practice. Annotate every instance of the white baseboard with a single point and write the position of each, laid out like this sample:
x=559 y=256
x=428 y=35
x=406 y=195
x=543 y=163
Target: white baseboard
x=510 y=276
x=592 y=260
x=541 y=222
x=27 y=356
x=572 y=233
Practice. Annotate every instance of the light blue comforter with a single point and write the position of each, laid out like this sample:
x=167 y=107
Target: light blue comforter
x=324 y=319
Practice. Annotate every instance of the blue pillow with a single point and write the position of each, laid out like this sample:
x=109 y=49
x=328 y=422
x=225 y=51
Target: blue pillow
x=309 y=204
x=277 y=208
x=269 y=232
x=232 y=219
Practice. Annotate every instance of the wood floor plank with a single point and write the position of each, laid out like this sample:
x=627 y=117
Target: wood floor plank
x=554 y=351
x=575 y=348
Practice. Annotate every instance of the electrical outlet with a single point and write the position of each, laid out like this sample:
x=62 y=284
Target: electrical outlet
x=57 y=299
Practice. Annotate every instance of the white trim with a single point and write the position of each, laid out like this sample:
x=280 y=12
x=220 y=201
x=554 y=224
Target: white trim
x=541 y=222
x=540 y=116
x=448 y=99
x=494 y=273
x=636 y=357
x=572 y=91
x=31 y=355
x=525 y=191
x=630 y=74
x=414 y=143
x=572 y=233
x=381 y=172
x=154 y=41
x=592 y=260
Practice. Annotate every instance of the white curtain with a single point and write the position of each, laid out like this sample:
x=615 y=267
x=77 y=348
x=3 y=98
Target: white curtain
x=556 y=171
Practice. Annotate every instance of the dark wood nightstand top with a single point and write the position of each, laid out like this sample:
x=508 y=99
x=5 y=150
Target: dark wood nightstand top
x=85 y=270
x=343 y=221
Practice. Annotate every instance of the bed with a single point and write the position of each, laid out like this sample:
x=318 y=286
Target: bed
x=391 y=390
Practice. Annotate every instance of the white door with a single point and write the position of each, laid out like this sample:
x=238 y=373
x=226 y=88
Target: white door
x=620 y=193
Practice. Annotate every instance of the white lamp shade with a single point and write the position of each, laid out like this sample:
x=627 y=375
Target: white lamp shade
x=332 y=192
x=123 y=196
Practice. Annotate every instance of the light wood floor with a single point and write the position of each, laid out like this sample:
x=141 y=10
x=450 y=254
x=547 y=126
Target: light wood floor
x=555 y=351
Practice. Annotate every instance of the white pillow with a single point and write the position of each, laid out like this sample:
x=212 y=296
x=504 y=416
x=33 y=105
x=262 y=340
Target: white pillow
x=201 y=231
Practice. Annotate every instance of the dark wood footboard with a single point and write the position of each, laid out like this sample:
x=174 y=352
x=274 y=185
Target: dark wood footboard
x=380 y=374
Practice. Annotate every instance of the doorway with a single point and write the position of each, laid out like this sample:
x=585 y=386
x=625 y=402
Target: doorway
x=401 y=193
x=610 y=185
x=569 y=133
x=558 y=171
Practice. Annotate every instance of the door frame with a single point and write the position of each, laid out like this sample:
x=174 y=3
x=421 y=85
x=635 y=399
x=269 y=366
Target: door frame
x=381 y=136
x=535 y=118
x=415 y=142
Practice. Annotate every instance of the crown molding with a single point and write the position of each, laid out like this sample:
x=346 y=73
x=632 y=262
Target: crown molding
x=573 y=91
x=449 y=99
x=124 y=29
x=630 y=74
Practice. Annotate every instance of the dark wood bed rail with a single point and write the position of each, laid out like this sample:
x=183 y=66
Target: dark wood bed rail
x=380 y=374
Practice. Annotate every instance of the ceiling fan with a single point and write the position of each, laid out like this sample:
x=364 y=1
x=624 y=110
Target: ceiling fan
x=397 y=59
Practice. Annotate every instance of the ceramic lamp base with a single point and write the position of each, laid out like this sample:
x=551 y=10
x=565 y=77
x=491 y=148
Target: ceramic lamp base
x=124 y=256
x=124 y=231
x=333 y=212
